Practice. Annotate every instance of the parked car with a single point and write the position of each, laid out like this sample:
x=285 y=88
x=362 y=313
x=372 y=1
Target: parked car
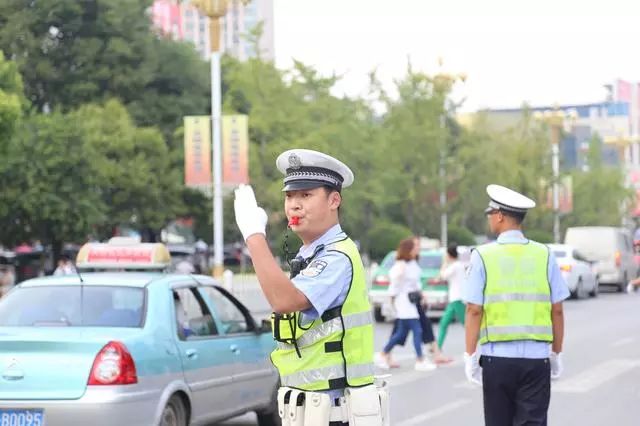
x=609 y=248
x=434 y=290
x=131 y=348
x=576 y=270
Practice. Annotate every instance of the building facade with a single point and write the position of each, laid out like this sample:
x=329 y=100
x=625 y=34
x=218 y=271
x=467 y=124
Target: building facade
x=182 y=21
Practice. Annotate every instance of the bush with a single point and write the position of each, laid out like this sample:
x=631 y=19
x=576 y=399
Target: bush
x=460 y=236
x=539 y=236
x=384 y=237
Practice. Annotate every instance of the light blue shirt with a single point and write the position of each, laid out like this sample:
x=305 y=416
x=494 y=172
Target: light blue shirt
x=326 y=279
x=473 y=292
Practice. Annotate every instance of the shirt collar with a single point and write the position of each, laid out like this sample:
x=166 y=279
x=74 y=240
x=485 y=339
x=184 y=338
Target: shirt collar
x=511 y=236
x=333 y=234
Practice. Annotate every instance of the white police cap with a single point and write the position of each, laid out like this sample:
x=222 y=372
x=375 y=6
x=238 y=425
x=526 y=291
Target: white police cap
x=307 y=169
x=506 y=199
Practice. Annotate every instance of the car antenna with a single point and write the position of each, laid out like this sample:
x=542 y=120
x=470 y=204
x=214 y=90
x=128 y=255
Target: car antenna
x=78 y=273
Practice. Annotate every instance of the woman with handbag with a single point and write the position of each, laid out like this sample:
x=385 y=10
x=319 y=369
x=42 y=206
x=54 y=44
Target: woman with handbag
x=406 y=294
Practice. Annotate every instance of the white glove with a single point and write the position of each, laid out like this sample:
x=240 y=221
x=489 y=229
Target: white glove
x=557 y=366
x=472 y=368
x=250 y=218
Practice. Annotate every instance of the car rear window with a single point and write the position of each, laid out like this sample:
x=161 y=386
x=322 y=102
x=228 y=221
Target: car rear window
x=559 y=254
x=73 y=306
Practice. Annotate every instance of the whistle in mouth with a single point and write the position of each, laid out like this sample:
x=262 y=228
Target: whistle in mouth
x=295 y=220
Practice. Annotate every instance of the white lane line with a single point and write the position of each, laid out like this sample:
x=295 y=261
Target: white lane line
x=623 y=342
x=431 y=414
x=595 y=376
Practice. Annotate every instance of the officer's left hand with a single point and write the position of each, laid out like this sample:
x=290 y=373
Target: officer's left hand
x=472 y=368
x=557 y=366
x=250 y=218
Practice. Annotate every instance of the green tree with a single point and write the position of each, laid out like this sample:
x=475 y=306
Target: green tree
x=74 y=52
x=50 y=189
x=133 y=165
x=12 y=101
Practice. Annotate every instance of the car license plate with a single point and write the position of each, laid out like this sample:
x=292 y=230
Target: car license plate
x=29 y=417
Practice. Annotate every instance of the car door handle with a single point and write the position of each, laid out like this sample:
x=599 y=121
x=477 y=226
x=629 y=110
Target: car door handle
x=235 y=349
x=191 y=353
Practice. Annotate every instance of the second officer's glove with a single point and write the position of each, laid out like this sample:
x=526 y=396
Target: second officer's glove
x=472 y=368
x=557 y=366
x=250 y=218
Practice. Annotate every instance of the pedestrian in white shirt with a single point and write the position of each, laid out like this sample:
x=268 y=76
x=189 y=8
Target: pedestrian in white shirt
x=452 y=271
x=406 y=293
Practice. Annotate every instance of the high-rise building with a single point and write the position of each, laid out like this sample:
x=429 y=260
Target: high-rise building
x=182 y=21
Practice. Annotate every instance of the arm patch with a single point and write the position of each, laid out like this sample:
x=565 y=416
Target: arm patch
x=314 y=269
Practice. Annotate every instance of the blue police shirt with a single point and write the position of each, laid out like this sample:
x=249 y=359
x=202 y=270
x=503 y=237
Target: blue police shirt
x=473 y=292
x=326 y=280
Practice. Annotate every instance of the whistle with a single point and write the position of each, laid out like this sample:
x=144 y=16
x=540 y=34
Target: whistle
x=295 y=220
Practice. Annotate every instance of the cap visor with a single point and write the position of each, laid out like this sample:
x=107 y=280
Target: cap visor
x=300 y=185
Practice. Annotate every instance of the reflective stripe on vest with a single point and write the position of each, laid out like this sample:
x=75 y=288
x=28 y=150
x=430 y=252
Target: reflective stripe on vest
x=308 y=377
x=517 y=295
x=522 y=330
x=330 y=355
x=326 y=329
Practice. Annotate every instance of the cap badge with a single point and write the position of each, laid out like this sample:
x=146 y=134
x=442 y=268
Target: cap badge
x=294 y=162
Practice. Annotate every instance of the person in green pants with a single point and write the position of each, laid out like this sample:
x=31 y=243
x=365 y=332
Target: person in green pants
x=452 y=271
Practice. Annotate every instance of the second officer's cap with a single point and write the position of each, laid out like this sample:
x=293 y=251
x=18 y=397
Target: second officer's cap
x=508 y=200
x=307 y=169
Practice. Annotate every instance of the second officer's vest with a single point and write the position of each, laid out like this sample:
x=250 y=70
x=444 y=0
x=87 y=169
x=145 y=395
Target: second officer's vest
x=517 y=294
x=334 y=351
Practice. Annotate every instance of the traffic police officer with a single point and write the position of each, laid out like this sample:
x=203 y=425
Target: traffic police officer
x=322 y=317
x=514 y=295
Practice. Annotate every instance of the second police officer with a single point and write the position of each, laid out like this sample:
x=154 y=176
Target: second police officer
x=322 y=320
x=514 y=295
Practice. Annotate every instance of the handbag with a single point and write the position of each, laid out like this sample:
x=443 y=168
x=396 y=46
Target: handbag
x=415 y=296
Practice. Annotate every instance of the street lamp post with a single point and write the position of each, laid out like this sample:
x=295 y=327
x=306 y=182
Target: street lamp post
x=556 y=121
x=449 y=79
x=216 y=9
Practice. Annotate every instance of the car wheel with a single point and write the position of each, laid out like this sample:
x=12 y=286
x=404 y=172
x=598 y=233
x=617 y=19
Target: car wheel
x=575 y=294
x=174 y=413
x=623 y=285
x=377 y=313
x=596 y=288
x=270 y=416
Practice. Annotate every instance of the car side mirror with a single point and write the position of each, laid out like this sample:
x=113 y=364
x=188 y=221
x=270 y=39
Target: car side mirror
x=265 y=326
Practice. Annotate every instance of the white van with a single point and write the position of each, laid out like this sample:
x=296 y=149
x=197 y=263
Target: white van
x=609 y=248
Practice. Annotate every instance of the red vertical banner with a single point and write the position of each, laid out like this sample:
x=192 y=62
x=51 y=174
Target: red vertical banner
x=235 y=149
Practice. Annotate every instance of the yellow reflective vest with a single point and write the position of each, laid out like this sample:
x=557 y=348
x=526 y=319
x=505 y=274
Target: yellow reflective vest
x=517 y=294
x=334 y=351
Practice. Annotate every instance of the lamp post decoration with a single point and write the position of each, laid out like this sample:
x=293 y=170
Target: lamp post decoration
x=216 y=9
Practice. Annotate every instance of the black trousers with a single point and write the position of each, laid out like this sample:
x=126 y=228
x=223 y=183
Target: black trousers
x=516 y=391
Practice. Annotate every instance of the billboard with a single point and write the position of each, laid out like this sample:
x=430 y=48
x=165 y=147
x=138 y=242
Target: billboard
x=565 y=195
x=197 y=151
x=235 y=149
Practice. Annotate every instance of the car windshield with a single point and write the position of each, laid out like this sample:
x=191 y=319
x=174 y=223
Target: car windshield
x=426 y=261
x=430 y=261
x=73 y=306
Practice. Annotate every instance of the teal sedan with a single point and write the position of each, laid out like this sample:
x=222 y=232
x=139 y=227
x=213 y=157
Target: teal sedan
x=131 y=348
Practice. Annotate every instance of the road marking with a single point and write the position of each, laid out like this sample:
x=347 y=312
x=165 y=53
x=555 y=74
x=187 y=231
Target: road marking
x=422 y=418
x=595 y=376
x=623 y=342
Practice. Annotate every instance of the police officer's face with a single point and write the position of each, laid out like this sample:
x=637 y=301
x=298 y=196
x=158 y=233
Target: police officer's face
x=315 y=209
x=494 y=219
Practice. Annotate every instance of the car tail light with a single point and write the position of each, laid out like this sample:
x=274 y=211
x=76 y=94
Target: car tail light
x=618 y=257
x=565 y=268
x=436 y=281
x=113 y=366
x=381 y=280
